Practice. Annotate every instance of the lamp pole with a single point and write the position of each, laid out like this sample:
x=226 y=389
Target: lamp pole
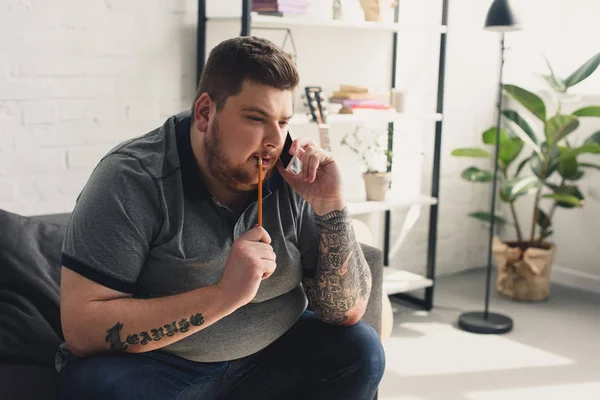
x=500 y=19
x=494 y=183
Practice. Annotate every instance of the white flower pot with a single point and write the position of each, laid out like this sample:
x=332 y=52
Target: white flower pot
x=377 y=185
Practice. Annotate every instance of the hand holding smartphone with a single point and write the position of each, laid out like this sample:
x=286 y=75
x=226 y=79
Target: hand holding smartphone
x=290 y=163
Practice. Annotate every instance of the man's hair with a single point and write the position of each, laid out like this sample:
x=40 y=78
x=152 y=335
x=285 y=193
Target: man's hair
x=242 y=58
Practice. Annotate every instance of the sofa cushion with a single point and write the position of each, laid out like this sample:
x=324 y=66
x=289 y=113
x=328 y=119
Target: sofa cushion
x=28 y=382
x=30 y=252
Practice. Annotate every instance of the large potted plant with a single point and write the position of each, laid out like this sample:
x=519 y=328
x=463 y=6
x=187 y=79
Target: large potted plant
x=375 y=158
x=548 y=170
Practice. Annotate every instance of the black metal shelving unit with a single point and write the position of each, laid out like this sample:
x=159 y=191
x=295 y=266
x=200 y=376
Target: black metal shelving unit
x=425 y=301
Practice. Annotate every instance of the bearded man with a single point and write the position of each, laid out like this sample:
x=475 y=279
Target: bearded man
x=169 y=288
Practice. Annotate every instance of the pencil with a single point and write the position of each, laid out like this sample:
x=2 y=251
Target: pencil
x=260 y=185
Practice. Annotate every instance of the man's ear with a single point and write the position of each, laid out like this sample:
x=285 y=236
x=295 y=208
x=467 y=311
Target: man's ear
x=202 y=110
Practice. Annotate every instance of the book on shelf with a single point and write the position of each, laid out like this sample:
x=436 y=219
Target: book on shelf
x=301 y=2
x=353 y=95
x=280 y=7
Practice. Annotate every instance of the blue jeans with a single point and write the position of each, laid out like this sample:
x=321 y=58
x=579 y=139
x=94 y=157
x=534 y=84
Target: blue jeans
x=313 y=360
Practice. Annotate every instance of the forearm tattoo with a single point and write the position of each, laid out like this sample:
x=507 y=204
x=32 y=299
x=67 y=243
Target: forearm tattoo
x=342 y=276
x=114 y=334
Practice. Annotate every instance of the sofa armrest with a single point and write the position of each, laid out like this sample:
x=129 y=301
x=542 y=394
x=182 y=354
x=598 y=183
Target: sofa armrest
x=374 y=258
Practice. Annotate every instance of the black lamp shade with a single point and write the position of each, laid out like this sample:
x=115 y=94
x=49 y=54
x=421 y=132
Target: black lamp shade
x=500 y=17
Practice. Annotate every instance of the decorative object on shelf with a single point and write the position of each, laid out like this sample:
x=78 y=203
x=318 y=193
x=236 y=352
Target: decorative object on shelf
x=377 y=185
x=374 y=154
x=524 y=265
x=318 y=109
x=499 y=18
x=376 y=9
x=398 y=100
x=337 y=10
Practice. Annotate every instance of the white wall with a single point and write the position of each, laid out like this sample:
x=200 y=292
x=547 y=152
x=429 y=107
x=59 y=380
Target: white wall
x=78 y=77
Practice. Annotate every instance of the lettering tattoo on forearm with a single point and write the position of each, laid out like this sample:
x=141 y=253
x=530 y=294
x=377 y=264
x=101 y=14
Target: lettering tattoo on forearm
x=342 y=276
x=114 y=334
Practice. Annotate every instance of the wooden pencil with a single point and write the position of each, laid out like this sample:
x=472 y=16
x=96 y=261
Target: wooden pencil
x=260 y=185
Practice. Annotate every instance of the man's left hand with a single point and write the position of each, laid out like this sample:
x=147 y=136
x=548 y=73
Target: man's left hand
x=320 y=181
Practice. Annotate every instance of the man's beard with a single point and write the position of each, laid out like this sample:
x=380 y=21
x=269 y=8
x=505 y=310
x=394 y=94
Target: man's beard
x=238 y=178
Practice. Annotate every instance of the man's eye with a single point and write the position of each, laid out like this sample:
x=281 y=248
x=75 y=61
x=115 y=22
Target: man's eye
x=256 y=119
x=283 y=123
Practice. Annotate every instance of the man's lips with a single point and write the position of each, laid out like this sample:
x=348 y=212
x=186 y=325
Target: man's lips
x=266 y=161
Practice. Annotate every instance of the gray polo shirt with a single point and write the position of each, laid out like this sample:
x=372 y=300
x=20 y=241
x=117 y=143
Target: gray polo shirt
x=146 y=224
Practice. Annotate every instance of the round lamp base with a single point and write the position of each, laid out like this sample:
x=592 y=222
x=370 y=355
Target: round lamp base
x=477 y=323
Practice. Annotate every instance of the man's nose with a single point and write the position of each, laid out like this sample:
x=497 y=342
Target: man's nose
x=275 y=135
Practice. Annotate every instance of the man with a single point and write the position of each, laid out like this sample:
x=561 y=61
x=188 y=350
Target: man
x=169 y=288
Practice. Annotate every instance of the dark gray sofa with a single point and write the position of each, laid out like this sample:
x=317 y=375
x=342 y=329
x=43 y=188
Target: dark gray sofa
x=30 y=330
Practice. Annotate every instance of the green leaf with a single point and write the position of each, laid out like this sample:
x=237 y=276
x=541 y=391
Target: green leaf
x=487 y=217
x=522 y=129
x=543 y=220
x=592 y=111
x=559 y=126
x=510 y=150
x=545 y=234
x=584 y=71
x=512 y=189
x=565 y=198
x=489 y=136
x=567 y=165
x=472 y=152
x=505 y=196
x=594 y=138
x=570 y=190
x=591 y=148
x=529 y=100
x=521 y=165
x=577 y=175
x=590 y=165
x=536 y=161
x=474 y=174
x=555 y=83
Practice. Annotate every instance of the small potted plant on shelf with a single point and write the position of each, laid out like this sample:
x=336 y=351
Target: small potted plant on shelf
x=555 y=166
x=375 y=157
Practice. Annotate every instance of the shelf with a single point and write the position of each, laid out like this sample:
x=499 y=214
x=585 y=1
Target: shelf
x=367 y=207
x=367 y=116
x=267 y=21
x=399 y=281
x=396 y=280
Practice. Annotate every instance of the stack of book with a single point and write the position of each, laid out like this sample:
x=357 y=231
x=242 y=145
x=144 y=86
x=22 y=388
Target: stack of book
x=356 y=97
x=280 y=7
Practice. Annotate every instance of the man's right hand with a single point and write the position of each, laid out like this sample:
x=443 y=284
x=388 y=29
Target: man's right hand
x=250 y=260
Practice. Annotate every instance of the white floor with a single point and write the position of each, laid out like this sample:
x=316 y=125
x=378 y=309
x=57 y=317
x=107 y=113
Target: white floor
x=553 y=352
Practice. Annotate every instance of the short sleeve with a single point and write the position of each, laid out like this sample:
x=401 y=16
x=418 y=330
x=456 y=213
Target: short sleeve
x=114 y=221
x=308 y=238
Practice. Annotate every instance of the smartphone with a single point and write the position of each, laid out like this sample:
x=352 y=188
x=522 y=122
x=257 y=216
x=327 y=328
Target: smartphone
x=290 y=163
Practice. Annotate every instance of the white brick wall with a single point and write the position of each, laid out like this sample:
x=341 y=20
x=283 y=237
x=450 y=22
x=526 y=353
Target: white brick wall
x=78 y=77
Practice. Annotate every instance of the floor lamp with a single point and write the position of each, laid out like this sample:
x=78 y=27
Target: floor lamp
x=500 y=19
